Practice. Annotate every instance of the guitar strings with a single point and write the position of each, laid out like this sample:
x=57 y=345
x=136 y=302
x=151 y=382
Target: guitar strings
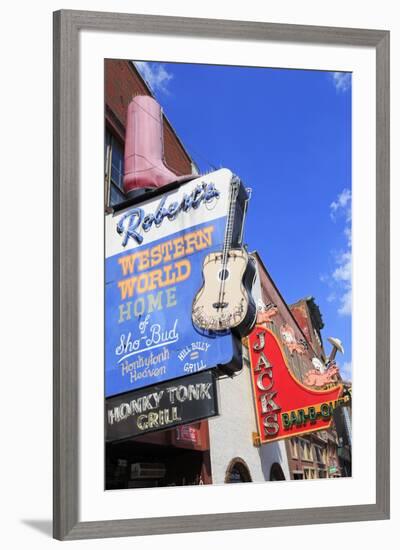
x=228 y=236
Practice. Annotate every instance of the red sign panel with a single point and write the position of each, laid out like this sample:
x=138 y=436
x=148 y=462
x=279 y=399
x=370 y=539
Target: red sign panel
x=191 y=436
x=284 y=406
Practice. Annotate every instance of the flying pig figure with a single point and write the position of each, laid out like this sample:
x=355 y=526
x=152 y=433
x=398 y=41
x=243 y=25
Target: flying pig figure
x=265 y=313
x=289 y=338
x=320 y=379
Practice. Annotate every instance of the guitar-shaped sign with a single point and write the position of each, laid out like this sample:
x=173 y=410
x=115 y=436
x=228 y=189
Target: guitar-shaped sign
x=224 y=301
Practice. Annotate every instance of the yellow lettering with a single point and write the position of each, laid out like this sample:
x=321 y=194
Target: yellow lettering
x=181 y=267
x=142 y=281
x=156 y=256
x=127 y=263
x=191 y=242
x=155 y=279
x=166 y=249
x=170 y=278
x=144 y=262
x=127 y=287
x=206 y=236
x=179 y=247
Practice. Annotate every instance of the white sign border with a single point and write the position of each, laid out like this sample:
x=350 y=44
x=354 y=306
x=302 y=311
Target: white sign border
x=97 y=504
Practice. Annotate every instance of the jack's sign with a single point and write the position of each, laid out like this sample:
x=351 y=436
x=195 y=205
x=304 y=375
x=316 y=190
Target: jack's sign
x=154 y=255
x=284 y=406
x=162 y=406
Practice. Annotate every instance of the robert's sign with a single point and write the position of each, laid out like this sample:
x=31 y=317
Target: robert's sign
x=162 y=406
x=136 y=221
x=284 y=406
x=154 y=256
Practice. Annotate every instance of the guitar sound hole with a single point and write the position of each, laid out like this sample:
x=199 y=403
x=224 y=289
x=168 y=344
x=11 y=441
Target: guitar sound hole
x=223 y=274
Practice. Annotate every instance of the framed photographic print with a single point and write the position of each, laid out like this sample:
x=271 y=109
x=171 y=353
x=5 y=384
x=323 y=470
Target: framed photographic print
x=221 y=274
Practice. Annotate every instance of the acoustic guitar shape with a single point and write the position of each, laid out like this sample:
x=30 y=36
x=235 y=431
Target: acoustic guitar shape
x=224 y=301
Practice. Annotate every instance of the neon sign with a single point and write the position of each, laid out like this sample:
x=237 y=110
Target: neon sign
x=284 y=406
x=130 y=223
x=153 y=268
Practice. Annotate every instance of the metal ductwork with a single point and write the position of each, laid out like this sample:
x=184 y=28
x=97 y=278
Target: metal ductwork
x=145 y=167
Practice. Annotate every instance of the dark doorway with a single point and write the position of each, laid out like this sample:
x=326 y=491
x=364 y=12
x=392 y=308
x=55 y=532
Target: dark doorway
x=137 y=465
x=276 y=473
x=237 y=472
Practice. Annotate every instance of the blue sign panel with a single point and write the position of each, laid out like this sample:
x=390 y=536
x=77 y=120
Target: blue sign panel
x=152 y=276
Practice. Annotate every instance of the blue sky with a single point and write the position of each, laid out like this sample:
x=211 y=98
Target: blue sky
x=287 y=135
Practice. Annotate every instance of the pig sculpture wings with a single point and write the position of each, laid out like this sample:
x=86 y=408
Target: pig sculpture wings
x=319 y=379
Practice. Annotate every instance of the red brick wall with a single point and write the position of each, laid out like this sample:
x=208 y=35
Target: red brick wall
x=122 y=81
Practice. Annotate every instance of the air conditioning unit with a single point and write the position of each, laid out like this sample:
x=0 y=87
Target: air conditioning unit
x=143 y=470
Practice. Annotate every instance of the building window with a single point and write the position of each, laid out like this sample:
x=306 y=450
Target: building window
x=115 y=195
x=114 y=170
x=309 y=453
x=293 y=447
x=237 y=472
x=309 y=473
x=318 y=454
x=276 y=473
x=306 y=451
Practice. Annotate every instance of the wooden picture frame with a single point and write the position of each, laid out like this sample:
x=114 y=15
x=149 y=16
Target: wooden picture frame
x=67 y=26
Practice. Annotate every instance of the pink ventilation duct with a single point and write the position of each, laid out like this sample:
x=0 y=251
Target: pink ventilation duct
x=144 y=147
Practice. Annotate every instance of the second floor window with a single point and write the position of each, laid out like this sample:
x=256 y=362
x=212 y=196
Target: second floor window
x=114 y=162
x=318 y=454
x=306 y=451
x=293 y=446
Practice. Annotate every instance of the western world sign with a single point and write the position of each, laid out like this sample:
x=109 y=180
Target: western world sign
x=161 y=406
x=154 y=255
x=285 y=407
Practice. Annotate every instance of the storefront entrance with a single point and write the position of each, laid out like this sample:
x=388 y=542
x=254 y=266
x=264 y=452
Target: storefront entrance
x=170 y=458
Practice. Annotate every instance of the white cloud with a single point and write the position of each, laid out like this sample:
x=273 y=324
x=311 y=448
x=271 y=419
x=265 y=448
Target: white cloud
x=339 y=280
x=347 y=232
x=342 y=276
x=341 y=81
x=341 y=205
x=155 y=74
x=346 y=370
x=343 y=271
x=346 y=303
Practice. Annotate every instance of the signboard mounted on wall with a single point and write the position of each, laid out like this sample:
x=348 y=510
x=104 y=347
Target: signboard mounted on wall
x=161 y=406
x=285 y=407
x=155 y=250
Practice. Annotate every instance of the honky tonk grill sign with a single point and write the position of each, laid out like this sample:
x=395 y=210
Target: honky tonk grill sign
x=284 y=406
x=161 y=406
